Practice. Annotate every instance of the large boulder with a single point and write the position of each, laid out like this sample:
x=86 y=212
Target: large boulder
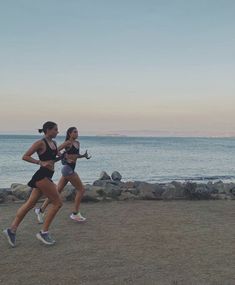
x=149 y=191
x=104 y=176
x=92 y=193
x=20 y=191
x=68 y=193
x=104 y=183
x=111 y=191
x=116 y=176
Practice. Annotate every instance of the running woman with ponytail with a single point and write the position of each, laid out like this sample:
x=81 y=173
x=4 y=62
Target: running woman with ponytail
x=40 y=183
x=72 y=153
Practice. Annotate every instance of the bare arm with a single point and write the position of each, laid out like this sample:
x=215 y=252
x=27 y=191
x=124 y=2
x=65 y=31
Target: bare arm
x=83 y=155
x=86 y=155
x=34 y=148
x=64 y=145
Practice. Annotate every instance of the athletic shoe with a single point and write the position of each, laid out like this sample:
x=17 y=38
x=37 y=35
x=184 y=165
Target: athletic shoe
x=11 y=237
x=45 y=238
x=40 y=215
x=78 y=217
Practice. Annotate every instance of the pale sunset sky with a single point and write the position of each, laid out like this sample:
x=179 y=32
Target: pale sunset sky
x=150 y=67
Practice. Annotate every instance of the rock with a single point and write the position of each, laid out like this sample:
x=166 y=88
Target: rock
x=3 y=194
x=11 y=198
x=6 y=191
x=104 y=176
x=229 y=187
x=133 y=191
x=220 y=187
x=20 y=191
x=127 y=196
x=196 y=191
x=111 y=191
x=232 y=191
x=129 y=184
x=104 y=183
x=173 y=191
x=2 y=198
x=68 y=193
x=92 y=194
x=149 y=191
x=116 y=176
x=215 y=196
x=222 y=196
x=202 y=192
x=136 y=184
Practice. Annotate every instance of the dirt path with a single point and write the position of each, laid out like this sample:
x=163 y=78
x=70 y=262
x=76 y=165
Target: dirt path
x=139 y=242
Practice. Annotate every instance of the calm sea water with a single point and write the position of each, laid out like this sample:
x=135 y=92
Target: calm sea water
x=136 y=158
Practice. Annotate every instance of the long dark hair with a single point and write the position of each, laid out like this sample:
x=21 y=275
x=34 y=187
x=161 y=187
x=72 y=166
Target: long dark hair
x=69 y=131
x=47 y=126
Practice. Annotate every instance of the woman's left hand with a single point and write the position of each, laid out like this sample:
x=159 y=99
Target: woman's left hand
x=86 y=155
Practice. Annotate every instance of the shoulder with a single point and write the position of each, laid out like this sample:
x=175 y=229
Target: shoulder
x=38 y=144
x=77 y=143
x=68 y=143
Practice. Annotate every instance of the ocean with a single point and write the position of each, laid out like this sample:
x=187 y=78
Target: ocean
x=150 y=159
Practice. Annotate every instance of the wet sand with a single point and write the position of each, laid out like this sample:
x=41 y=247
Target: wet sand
x=135 y=242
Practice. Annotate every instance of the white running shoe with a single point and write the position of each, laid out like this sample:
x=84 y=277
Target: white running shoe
x=40 y=215
x=78 y=217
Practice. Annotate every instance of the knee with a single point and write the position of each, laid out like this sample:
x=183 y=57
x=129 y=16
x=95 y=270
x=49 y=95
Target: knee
x=60 y=203
x=81 y=190
x=57 y=203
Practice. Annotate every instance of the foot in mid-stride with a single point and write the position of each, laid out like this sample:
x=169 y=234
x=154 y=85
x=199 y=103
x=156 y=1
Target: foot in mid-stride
x=11 y=237
x=45 y=238
x=40 y=215
x=77 y=217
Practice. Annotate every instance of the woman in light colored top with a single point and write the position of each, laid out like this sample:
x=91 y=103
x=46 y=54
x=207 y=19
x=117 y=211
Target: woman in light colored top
x=72 y=153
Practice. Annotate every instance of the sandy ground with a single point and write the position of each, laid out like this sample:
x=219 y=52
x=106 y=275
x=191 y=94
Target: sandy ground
x=139 y=242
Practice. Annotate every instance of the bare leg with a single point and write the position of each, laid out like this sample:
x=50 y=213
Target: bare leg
x=48 y=188
x=61 y=184
x=24 y=209
x=77 y=183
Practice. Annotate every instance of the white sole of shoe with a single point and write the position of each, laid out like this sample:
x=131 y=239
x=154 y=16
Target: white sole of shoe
x=78 y=221
x=8 y=239
x=38 y=236
x=39 y=220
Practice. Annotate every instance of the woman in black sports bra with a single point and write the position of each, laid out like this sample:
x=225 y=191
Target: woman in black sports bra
x=40 y=183
x=72 y=153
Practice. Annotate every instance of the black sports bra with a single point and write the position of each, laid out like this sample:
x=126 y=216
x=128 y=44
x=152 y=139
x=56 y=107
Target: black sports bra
x=49 y=154
x=72 y=150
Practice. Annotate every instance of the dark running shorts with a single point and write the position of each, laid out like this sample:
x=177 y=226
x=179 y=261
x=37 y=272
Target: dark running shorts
x=39 y=175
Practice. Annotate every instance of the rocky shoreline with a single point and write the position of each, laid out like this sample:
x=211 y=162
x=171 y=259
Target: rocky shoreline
x=108 y=188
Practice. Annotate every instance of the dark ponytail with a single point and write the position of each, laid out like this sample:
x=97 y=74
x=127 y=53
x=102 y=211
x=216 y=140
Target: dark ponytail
x=68 y=133
x=47 y=126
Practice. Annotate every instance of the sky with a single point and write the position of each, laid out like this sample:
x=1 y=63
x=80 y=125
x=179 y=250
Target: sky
x=150 y=67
